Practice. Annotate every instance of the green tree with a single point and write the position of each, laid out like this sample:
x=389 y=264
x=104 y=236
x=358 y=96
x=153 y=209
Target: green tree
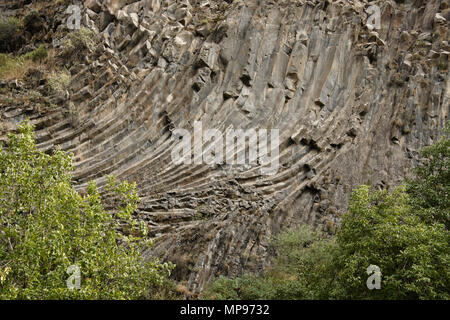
x=382 y=229
x=46 y=226
x=404 y=232
x=430 y=188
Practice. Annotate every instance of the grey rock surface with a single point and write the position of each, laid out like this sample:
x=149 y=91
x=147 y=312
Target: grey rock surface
x=353 y=106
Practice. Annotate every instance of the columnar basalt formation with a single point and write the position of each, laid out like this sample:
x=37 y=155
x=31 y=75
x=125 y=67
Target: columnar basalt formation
x=353 y=106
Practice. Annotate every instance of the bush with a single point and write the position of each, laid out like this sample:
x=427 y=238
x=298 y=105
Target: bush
x=46 y=227
x=32 y=22
x=37 y=55
x=16 y=67
x=11 y=67
x=59 y=81
x=10 y=29
x=404 y=232
x=430 y=189
x=77 y=43
x=303 y=257
x=380 y=229
x=383 y=229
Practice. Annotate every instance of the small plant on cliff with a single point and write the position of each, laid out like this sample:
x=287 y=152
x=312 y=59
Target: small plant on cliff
x=78 y=42
x=37 y=55
x=46 y=227
x=59 y=81
x=10 y=29
x=16 y=67
x=13 y=67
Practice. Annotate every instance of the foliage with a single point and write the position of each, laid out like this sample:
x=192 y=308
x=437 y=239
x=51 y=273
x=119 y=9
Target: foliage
x=59 y=81
x=247 y=287
x=382 y=229
x=404 y=232
x=46 y=226
x=430 y=189
x=304 y=255
x=37 y=55
x=10 y=29
x=13 y=68
x=16 y=67
x=78 y=42
x=30 y=19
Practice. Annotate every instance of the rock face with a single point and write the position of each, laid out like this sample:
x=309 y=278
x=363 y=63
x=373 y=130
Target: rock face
x=353 y=106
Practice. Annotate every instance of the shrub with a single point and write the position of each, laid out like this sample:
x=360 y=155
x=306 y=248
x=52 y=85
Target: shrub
x=78 y=42
x=404 y=232
x=37 y=55
x=46 y=226
x=59 y=81
x=382 y=229
x=10 y=29
x=32 y=22
x=442 y=65
x=12 y=68
x=16 y=67
x=430 y=188
x=303 y=257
